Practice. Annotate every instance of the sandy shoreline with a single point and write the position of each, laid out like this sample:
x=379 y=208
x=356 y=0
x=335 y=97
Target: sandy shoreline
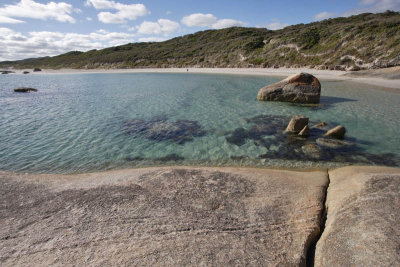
x=378 y=80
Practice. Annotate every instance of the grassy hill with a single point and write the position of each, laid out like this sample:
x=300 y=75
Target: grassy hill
x=366 y=40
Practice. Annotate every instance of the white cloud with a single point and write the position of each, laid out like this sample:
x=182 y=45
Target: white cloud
x=276 y=25
x=43 y=43
x=209 y=20
x=89 y=19
x=30 y=9
x=374 y=6
x=162 y=26
x=123 y=14
x=324 y=15
x=152 y=39
x=199 y=20
x=226 y=23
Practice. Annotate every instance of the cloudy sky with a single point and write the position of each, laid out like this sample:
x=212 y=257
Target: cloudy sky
x=33 y=28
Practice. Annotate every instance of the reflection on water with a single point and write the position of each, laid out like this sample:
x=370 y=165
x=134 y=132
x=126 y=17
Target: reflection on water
x=93 y=122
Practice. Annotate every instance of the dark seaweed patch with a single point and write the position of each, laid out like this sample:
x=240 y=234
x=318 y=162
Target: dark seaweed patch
x=159 y=129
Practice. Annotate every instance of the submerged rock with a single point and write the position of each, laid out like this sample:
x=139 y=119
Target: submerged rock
x=296 y=124
x=160 y=129
x=334 y=143
x=312 y=151
x=337 y=132
x=299 y=88
x=25 y=90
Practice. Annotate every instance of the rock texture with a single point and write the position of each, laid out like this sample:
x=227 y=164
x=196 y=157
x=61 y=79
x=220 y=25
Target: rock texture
x=299 y=88
x=363 y=219
x=305 y=132
x=296 y=124
x=161 y=217
x=25 y=90
x=337 y=132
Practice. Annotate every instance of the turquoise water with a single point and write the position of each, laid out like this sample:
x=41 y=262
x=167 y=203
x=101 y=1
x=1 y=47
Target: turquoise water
x=93 y=122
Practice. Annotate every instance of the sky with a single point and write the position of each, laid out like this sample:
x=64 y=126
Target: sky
x=35 y=28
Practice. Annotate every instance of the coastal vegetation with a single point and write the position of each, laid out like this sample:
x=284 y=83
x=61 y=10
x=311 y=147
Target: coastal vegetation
x=365 y=41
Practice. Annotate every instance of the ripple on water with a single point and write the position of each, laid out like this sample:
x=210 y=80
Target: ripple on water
x=92 y=122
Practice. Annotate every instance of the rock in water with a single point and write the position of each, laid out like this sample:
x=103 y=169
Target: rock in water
x=299 y=88
x=305 y=132
x=319 y=125
x=296 y=124
x=337 y=132
x=25 y=90
x=312 y=151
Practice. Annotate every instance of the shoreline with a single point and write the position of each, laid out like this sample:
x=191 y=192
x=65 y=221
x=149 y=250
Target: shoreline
x=377 y=79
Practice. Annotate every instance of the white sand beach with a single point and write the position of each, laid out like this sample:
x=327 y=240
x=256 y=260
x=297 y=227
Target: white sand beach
x=378 y=78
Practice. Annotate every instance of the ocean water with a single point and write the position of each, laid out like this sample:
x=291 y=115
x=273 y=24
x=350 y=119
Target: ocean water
x=94 y=122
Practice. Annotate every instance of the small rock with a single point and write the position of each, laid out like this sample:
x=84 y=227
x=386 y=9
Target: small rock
x=25 y=90
x=37 y=69
x=312 y=151
x=337 y=132
x=296 y=124
x=26 y=72
x=299 y=88
x=333 y=143
x=319 y=125
x=354 y=68
x=305 y=132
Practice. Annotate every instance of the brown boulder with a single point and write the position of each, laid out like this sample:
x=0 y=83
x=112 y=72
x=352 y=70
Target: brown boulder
x=296 y=124
x=305 y=132
x=337 y=132
x=299 y=88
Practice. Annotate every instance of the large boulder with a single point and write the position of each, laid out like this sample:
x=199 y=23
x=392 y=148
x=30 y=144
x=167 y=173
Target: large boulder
x=363 y=221
x=296 y=124
x=299 y=88
x=25 y=90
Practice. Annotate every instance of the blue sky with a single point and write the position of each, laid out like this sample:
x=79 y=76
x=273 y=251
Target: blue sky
x=32 y=28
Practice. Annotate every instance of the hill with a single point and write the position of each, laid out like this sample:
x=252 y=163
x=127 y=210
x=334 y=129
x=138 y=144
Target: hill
x=367 y=41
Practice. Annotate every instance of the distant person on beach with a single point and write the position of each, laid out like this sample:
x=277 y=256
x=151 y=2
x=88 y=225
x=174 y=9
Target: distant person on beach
x=187 y=70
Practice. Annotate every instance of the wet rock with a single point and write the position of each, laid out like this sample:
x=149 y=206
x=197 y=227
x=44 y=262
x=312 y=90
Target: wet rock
x=26 y=72
x=159 y=129
x=305 y=132
x=37 y=69
x=25 y=90
x=334 y=143
x=319 y=125
x=337 y=132
x=299 y=88
x=296 y=124
x=362 y=226
x=312 y=151
x=161 y=217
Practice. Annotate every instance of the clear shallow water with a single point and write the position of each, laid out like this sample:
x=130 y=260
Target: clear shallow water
x=93 y=122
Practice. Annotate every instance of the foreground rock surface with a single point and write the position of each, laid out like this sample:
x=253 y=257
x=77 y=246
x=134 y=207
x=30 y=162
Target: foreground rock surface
x=363 y=222
x=161 y=217
x=299 y=88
